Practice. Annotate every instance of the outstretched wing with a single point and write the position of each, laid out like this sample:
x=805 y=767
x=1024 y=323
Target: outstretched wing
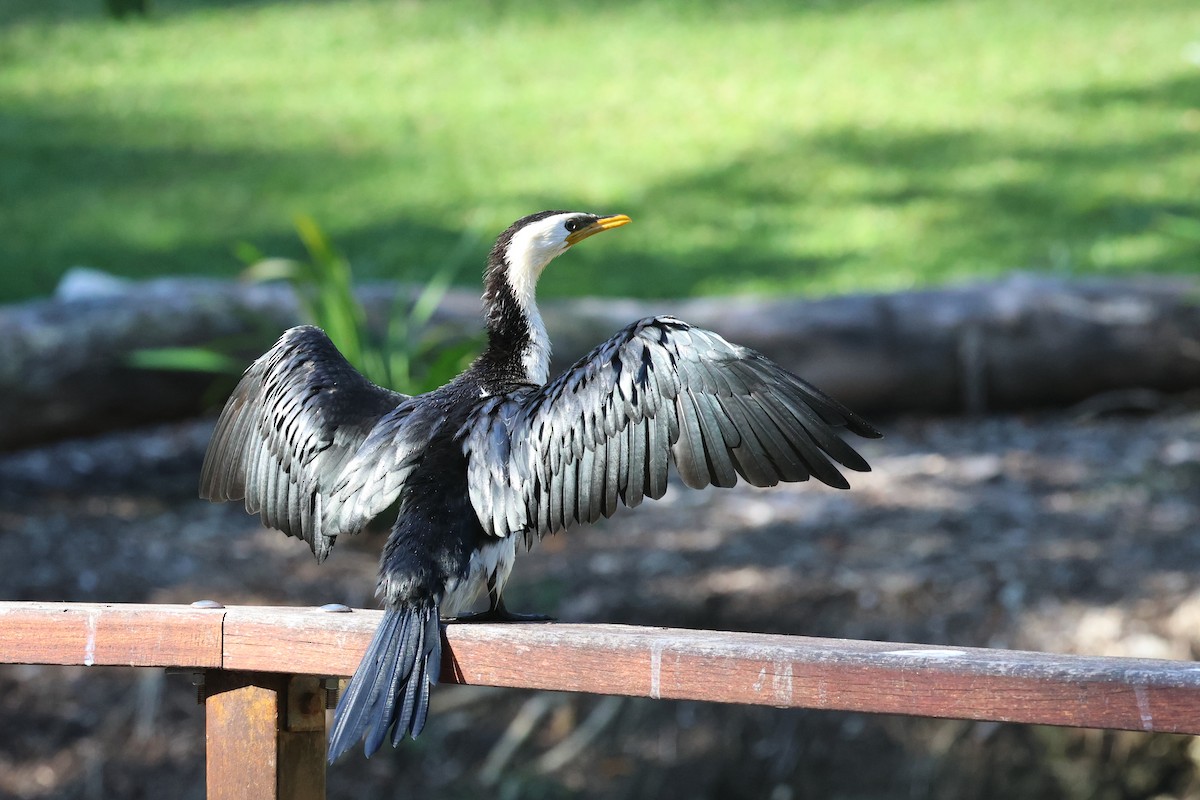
x=604 y=432
x=292 y=425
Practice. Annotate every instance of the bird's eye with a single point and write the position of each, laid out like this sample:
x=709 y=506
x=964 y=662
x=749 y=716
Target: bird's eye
x=573 y=225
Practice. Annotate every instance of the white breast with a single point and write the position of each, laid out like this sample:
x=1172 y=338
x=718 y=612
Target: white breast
x=491 y=564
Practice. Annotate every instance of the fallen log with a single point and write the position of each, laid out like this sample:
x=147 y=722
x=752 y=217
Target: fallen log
x=1021 y=342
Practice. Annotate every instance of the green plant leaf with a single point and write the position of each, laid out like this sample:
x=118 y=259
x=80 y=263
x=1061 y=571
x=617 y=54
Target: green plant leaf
x=314 y=239
x=445 y=363
x=411 y=357
x=247 y=253
x=185 y=359
x=273 y=269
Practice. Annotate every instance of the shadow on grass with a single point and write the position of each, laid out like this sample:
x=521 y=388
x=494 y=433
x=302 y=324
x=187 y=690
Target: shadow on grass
x=1042 y=203
x=977 y=202
x=63 y=11
x=53 y=182
x=969 y=203
x=1181 y=91
x=54 y=12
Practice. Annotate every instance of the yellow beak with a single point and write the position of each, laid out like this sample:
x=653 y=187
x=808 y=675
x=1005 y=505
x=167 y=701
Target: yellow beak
x=602 y=224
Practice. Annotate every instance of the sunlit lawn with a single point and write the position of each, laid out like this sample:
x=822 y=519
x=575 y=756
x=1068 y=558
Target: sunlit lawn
x=765 y=146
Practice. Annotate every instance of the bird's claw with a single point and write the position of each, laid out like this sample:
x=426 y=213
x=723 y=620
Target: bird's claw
x=497 y=612
x=502 y=614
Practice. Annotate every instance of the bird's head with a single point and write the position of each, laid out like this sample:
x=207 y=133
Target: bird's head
x=532 y=242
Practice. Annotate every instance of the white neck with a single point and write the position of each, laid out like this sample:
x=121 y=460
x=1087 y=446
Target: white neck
x=536 y=356
x=526 y=260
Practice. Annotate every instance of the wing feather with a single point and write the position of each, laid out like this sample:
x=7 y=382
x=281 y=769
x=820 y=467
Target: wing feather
x=750 y=454
x=606 y=431
x=636 y=464
x=658 y=452
x=612 y=477
x=689 y=449
x=297 y=417
x=717 y=445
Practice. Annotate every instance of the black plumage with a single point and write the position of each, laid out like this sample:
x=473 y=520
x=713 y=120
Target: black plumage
x=501 y=454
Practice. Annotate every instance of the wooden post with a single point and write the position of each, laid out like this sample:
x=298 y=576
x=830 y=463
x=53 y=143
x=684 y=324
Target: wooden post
x=265 y=736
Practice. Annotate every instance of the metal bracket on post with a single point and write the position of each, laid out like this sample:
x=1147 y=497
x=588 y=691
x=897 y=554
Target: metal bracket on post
x=265 y=736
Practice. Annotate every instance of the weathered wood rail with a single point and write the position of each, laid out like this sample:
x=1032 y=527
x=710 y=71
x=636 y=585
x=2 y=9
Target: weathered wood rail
x=264 y=702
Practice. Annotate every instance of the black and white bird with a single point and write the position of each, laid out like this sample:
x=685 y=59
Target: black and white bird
x=500 y=455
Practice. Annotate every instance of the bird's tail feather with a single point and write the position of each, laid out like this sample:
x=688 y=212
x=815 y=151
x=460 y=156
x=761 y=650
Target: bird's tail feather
x=390 y=688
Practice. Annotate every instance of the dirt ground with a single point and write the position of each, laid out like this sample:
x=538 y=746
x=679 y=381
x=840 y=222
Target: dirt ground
x=1059 y=532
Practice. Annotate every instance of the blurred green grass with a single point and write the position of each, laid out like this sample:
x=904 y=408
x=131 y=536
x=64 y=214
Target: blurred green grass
x=765 y=146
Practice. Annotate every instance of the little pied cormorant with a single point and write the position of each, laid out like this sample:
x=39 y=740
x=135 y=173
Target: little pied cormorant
x=500 y=454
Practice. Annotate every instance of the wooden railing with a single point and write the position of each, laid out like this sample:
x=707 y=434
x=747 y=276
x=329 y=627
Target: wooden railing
x=261 y=671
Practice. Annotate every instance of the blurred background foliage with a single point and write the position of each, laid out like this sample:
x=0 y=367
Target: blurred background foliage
x=410 y=355
x=767 y=146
